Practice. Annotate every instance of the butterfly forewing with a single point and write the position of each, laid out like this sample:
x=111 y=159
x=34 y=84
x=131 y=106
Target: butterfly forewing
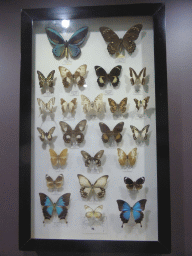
x=99 y=186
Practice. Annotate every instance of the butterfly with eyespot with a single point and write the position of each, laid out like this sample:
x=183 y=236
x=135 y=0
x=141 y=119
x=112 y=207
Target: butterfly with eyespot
x=89 y=159
x=46 y=81
x=107 y=133
x=57 y=183
x=90 y=213
x=58 y=159
x=138 y=184
x=45 y=135
x=46 y=106
x=62 y=47
x=68 y=77
x=97 y=187
x=126 y=210
x=48 y=207
x=137 y=134
x=70 y=134
x=96 y=105
x=68 y=106
x=142 y=103
x=129 y=159
x=137 y=79
x=113 y=76
x=116 y=44
x=117 y=107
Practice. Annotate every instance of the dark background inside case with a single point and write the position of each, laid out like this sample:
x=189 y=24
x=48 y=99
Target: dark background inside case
x=179 y=56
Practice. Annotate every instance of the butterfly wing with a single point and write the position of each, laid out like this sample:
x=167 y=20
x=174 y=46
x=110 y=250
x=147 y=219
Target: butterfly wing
x=98 y=212
x=122 y=156
x=64 y=105
x=135 y=131
x=145 y=102
x=113 y=105
x=61 y=206
x=116 y=132
x=47 y=206
x=50 y=104
x=41 y=79
x=76 y=40
x=57 y=41
x=49 y=79
x=137 y=102
x=144 y=132
x=129 y=183
x=131 y=35
x=80 y=127
x=49 y=181
x=142 y=76
x=106 y=132
x=62 y=158
x=49 y=134
x=72 y=105
x=112 y=38
x=139 y=183
x=102 y=76
x=98 y=103
x=79 y=75
x=99 y=185
x=122 y=105
x=97 y=157
x=138 y=209
x=54 y=157
x=66 y=128
x=42 y=105
x=66 y=76
x=85 y=184
x=86 y=103
x=89 y=211
x=42 y=137
x=132 y=157
x=125 y=209
x=87 y=157
x=114 y=75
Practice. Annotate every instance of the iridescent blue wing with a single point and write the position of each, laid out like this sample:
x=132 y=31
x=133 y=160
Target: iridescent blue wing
x=47 y=206
x=138 y=209
x=125 y=209
x=76 y=40
x=57 y=41
x=61 y=205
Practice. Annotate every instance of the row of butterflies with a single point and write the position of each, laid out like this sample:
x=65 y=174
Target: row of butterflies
x=95 y=107
x=68 y=78
x=76 y=135
x=87 y=188
x=62 y=47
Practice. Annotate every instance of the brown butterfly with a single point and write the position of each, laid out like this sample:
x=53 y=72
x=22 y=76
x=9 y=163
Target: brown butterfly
x=89 y=159
x=142 y=103
x=116 y=44
x=137 y=134
x=46 y=81
x=137 y=79
x=58 y=183
x=113 y=76
x=107 y=133
x=130 y=158
x=117 y=107
x=76 y=134
x=68 y=77
x=58 y=159
x=46 y=134
x=68 y=106
x=138 y=184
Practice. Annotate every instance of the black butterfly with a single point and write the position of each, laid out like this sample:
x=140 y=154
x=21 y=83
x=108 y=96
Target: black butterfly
x=138 y=184
x=113 y=76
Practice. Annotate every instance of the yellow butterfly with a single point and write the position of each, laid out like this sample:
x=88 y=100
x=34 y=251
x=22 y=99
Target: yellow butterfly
x=129 y=159
x=58 y=159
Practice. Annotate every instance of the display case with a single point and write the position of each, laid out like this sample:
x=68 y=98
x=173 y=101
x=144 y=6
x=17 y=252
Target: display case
x=94 y=153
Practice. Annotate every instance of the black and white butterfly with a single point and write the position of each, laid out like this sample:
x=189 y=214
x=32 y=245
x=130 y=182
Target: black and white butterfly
x=137 y=79
x=141 y=135
x=103 y=77
x=95 y=159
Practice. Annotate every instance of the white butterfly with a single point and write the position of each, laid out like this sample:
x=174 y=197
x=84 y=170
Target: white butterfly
x=97 y=187
x=142 y=103
x=46 y=106
x=140 y=134
x=68 y=106
x=137 y=79
x=96 y=105
x=68 y=77
x=90 y=213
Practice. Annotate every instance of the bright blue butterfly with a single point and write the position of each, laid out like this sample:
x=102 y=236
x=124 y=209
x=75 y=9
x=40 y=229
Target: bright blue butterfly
x=61 y=47
x=60 y=206
x=126 y=210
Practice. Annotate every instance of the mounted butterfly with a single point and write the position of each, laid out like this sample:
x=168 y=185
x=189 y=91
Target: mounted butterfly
x=60 y=207
x=58 y=160
x=68 y=78
x=46 y=82
x=116 y=44
x=140 y=135
x=90 y=213
x=138 y=184
x=118 y=108
x=137 y=80
x=62 y=47
x=89 y=160
x=112 y=77
x=126 y=210
x=129 y=159
x=115 y=133
x=45 y=135
x=93 y=107
x=46 y=107
x=54 y=184
x=68 y=107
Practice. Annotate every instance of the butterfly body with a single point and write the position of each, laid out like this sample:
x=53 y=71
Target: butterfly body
x=114 y=107
x=92 y=106
x=58 y=159
x=138 y=184
x=90 y=213
x=103 y=77
x=54 y=184
x=89 y=159
x=129 y=159
x=137 y=79
x=43 y=81
x=46 y=106
x=115 y=133
x=63 y=47
x=136 y=210
x=141 y=135
x=60 y=207
x=116 y=44
x=76 y=134
x=142 y=103
x=68 y=106
x=87 y=188
x=45 y=135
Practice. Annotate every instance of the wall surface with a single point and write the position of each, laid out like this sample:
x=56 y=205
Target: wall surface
x=179 y=56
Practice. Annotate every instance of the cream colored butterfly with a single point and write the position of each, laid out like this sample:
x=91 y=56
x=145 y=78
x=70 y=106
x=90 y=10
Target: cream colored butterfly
x=68 y=77
x=68 y=106
x=141 y=135
x=137 y=79
x=129 y=159
x=96 y=105
x=90 y=213
x=58 y=159
x=46 y=106
x=142 y=103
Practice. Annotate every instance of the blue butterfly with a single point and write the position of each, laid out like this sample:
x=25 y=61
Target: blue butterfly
x=61 y=47
x=60 y=206
x=126 y=210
